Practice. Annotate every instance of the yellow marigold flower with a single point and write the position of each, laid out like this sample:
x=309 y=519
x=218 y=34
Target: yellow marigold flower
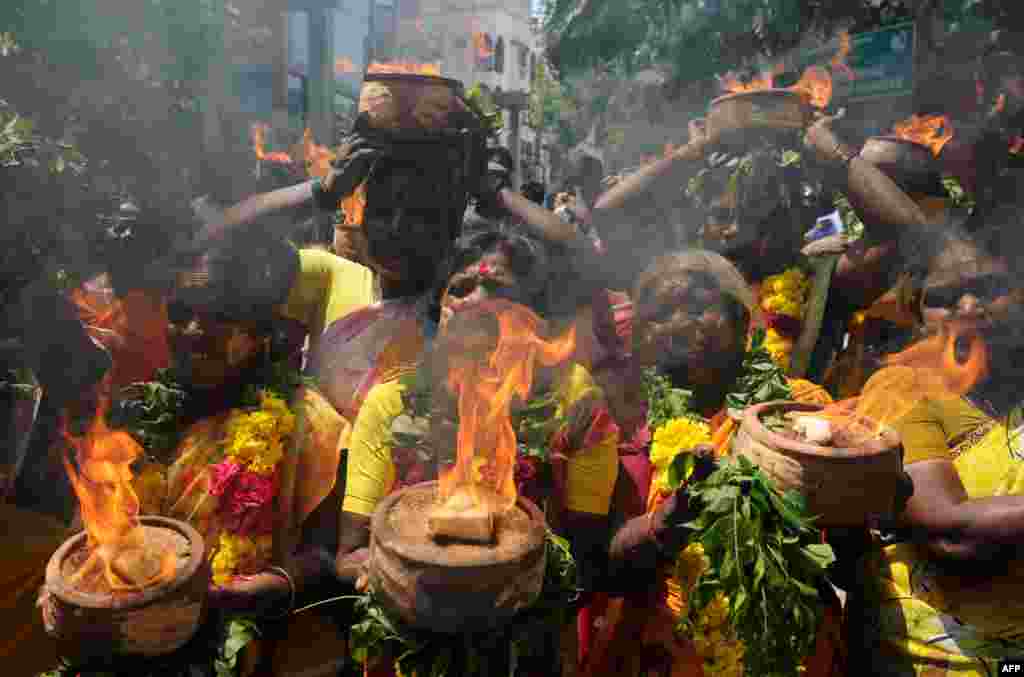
x=672 y=438
x=232 y=550
x=679 y=434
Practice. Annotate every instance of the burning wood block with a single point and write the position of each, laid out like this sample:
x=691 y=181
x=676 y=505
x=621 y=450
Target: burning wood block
x=461 y=518
x=137 y=565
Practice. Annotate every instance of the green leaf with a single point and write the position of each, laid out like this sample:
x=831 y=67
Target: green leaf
x=821 y=554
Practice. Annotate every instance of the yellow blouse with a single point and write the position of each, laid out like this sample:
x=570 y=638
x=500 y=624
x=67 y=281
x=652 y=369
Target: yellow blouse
x=934 y=427
x=370 y=475
x=327 y=288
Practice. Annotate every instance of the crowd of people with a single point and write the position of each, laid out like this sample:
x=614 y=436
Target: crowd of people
x=931 y=592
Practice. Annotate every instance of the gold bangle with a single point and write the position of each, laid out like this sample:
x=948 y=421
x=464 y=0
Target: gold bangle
x=291 y=587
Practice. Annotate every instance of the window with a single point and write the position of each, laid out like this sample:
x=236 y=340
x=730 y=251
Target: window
x=499 y=56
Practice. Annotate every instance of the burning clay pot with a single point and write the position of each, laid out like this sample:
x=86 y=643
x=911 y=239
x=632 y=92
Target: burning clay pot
x=844 y=486
x=764 y=110
x=454 y=587
x=405 y=101
x=154 y=621
x=910 y=164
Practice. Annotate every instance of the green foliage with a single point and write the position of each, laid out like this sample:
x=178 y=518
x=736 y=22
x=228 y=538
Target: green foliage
x=281 y=379
x=238 y=633
x=664 y=402
x=762 y=381
x=482 y=104
x=151 y=413
x=377 y=634
x=766 y=556
x=698 y=38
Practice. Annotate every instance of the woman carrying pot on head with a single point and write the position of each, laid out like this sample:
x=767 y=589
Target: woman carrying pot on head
x=575 y=484
x=693 y=312
x=754 y=214
x=937 y=600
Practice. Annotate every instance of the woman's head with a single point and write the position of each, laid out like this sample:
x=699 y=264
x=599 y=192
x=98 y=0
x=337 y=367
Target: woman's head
x=692 y=312
x=964 y=278
x=494 y=263
x=975 y=283
x=222 y=310
x=748 y=203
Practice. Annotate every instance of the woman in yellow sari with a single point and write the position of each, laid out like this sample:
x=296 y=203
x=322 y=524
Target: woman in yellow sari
x=490 y=265
x=693 y=311
x=944 y=600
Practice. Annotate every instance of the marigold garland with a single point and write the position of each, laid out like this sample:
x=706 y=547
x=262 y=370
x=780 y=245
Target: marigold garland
x=784 y=296
x=245 y=484
x=675 y=435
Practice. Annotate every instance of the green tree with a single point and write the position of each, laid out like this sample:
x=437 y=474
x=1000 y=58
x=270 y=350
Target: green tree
x=698 y=38
x=553 y=107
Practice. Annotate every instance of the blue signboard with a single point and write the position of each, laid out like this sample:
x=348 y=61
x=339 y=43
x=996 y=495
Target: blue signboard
x=882 y=62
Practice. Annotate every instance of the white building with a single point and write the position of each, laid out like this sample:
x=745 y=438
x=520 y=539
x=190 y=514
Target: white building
x=486 y=42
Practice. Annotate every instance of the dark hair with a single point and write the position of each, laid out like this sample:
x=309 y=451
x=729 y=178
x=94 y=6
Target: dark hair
x=243 y=278
x=527 y=256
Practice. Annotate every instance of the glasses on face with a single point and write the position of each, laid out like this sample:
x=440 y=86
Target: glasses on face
x=984 y=288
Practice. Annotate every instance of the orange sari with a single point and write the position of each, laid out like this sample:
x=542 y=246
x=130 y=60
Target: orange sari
x=636 y=634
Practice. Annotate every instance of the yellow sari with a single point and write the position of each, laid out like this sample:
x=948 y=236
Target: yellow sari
x=916 y=619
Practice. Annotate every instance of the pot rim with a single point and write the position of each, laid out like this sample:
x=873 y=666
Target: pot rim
x=887 y=442
x=56 y=585
x=383 y=536
x=415 y=77
x=760 y=93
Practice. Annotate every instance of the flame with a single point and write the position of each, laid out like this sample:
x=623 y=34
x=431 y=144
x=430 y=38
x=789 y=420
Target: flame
x=481 y=45
x=814 y=86
x=933 y=131
x=838 y=62
x=132 y=328
x=486 y=381
x=1017 y=145
x=110 y=509
x=258 y=133
x=318 y=158
x=353 y=206
x=404 y=67
x=732 y=84
x=344 y=65
x=929 y=369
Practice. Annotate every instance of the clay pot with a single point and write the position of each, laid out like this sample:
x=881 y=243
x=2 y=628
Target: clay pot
x=406 y=101
x=456 y=587
x=736 y=116
x=911 y=165
x=155 y=621
x=844 y=487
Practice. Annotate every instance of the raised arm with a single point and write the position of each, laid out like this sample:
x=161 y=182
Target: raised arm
x=667 y=172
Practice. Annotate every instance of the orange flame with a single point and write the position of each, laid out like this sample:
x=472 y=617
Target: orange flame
x=481 y=45
x=814 y=86
x=485 y=381
x=110 y=510
x=404 y=68
x=929 y=369
x=353 y=206
x=258 y=133
x=732 y=83
x=933 y=131
x=318 y=158
x=344 y=65
x=838 y=62
x=133 y=328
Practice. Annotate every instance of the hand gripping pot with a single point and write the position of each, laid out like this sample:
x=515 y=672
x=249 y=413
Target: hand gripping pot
x=434 y=151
